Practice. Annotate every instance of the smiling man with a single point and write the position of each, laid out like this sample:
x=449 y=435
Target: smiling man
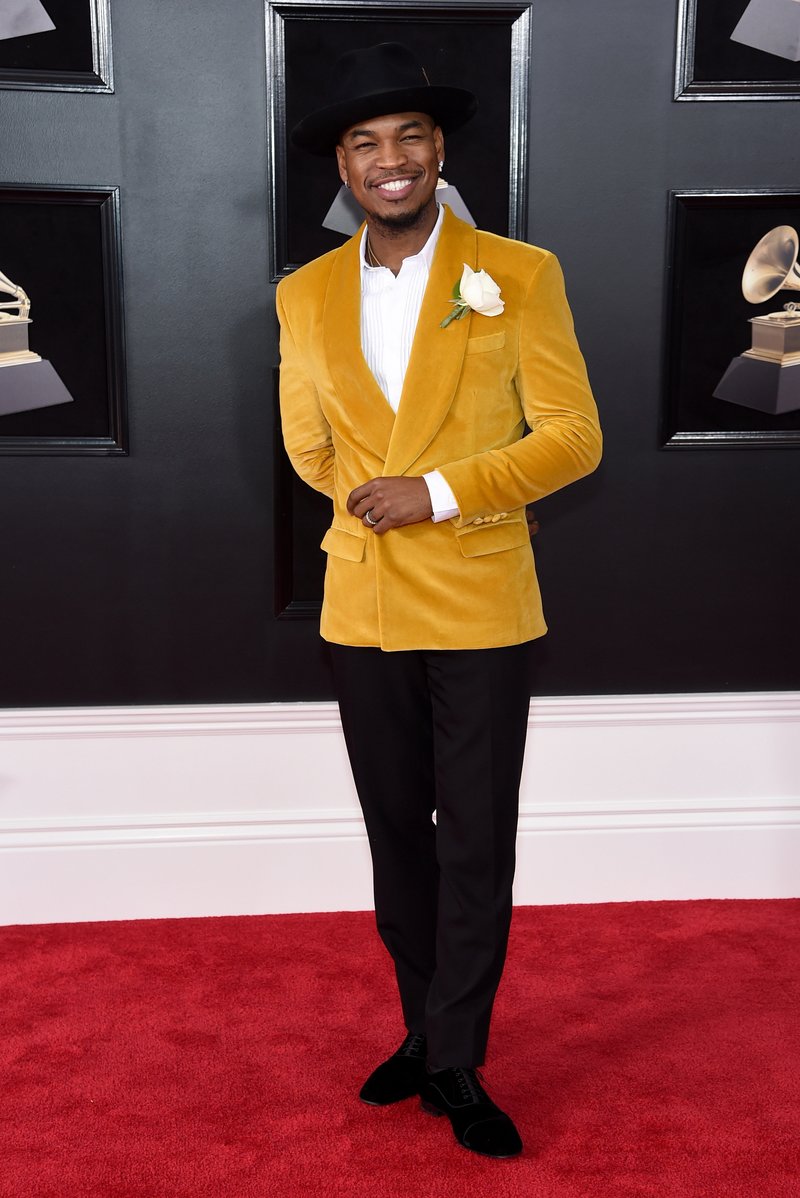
x=410 y=410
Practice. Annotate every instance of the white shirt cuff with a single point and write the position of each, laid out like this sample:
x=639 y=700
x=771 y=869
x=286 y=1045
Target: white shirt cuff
x=443 y=501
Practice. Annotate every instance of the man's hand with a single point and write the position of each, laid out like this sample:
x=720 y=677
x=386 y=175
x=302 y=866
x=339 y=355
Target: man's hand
x=385 y=503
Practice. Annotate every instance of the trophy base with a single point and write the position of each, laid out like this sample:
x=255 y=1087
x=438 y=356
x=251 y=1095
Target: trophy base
x=23 y=358
x=761 y=385
x=772 y=26
x=25 y=19
x=30 y=385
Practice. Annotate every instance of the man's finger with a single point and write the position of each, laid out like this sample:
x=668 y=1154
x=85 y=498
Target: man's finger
x=364 y=506
x=374 y=521
x=383 y=526
x=360 y=493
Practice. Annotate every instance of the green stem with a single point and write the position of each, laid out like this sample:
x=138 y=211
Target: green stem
x=456 y=314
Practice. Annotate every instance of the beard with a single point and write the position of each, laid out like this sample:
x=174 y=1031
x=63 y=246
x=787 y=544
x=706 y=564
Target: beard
x=394 y=226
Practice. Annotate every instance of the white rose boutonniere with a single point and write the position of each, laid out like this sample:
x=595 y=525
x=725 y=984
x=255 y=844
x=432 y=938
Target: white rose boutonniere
x=474 y=292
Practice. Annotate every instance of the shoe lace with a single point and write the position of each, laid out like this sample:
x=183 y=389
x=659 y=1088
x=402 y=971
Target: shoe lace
x=471 y=1082
x=412 y=1046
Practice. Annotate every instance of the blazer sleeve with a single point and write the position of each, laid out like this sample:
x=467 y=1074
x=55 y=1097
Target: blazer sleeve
x=306 y=432
x=565 y=441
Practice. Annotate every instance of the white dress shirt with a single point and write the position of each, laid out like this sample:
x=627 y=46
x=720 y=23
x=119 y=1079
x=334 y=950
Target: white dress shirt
x=390 y=307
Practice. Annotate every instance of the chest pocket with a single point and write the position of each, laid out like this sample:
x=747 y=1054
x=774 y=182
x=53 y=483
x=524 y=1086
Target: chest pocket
x=480 y=345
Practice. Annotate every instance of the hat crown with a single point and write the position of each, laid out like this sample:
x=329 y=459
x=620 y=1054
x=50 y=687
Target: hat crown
x=375 y=82
x=386 y=67
x=383 y=67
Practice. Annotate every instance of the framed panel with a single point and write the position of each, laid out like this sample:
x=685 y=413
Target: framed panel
x=74 y=56
x=302 y=516
x=712 y=234
x=62 y=246
x=303 y=39
x=710 y=65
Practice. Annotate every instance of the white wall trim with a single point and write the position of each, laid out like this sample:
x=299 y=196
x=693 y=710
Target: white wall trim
x=320 y=824
x=200 y=720
x=130 y=812
x=254 y=718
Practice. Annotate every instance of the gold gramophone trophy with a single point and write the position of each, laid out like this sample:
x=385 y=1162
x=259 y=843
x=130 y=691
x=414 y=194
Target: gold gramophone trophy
x=14 y=326
x=766 y=377
x=26 y=380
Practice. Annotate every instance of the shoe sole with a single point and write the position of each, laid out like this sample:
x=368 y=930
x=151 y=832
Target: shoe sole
x=390 y=1102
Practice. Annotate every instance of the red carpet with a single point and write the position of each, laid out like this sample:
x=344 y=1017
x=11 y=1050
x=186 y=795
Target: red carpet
x=643 y=1048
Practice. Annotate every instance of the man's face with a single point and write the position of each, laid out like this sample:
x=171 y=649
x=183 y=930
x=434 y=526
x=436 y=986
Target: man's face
x=392 y=166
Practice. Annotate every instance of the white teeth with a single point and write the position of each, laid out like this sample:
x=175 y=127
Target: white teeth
x=394 y=185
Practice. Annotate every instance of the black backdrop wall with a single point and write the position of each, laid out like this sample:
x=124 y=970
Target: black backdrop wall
x=151 y=578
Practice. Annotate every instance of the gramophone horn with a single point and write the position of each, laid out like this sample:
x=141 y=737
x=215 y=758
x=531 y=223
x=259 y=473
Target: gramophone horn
x=6 y=285
x=772 y=266
x=20 y=300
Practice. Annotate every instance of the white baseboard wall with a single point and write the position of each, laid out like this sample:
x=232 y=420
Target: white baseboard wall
x=149 y=812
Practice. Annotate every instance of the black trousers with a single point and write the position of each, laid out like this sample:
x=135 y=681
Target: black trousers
x=442 y=731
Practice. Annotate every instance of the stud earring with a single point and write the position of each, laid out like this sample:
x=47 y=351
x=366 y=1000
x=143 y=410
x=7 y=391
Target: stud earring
x=441 y=165
x=347 y=184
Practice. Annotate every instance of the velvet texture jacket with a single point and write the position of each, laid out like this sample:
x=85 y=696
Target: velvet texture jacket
x=501 y=406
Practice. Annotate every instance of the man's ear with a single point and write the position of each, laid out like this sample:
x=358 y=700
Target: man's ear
x=438 y=141
x=340 y=159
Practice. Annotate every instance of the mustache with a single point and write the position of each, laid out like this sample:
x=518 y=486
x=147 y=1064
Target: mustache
x=393 y=178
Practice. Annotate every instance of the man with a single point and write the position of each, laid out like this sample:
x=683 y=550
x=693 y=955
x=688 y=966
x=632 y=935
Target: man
x=409 y=408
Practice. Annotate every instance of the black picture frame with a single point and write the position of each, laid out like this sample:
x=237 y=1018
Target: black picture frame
x=303 y=39
x=709 y=66
x=712 y=234
x=302 y=517
x=74 y=57
x=63 y=246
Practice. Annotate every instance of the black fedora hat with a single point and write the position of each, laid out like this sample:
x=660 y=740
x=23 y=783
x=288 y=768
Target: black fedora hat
x=375 y=82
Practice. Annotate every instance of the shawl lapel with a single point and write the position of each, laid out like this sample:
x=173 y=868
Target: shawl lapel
x=434 y=367
x=437 y=354
x=363 y=405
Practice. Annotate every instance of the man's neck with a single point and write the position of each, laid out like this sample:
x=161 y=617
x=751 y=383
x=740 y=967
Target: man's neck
x=389 y=247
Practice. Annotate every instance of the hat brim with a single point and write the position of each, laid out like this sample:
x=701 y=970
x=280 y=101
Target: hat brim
x=450 y=107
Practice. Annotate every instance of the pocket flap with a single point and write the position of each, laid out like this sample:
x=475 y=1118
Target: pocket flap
x=341 y=543
x=479 y=345
x=477 y=539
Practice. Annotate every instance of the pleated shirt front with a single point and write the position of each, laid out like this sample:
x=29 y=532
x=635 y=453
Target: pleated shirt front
x=390 y=307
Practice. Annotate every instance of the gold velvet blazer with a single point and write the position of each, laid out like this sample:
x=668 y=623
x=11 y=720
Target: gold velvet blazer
x=471 y=393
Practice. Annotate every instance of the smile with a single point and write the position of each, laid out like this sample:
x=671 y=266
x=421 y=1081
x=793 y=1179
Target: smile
x=395 y=187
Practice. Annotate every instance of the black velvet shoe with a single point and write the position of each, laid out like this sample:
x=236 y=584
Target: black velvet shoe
x=400 y=1077
x=477 y=1122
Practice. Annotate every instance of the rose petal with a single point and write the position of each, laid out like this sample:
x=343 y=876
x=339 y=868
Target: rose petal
x=471 y=294
x=488 y=285
x=471 y=291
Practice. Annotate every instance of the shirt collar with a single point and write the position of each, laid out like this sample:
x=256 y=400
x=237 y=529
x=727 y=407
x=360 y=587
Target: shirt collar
x=425 y=254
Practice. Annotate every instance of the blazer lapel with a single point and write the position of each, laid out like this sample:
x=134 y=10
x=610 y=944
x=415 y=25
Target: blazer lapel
x=437 y=354
x=363 y=404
